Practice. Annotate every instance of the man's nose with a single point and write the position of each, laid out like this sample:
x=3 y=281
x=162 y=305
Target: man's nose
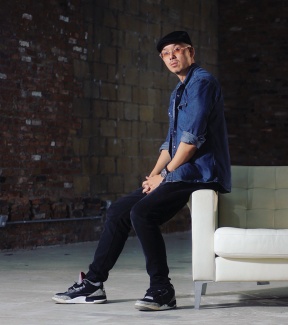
x=172 y=55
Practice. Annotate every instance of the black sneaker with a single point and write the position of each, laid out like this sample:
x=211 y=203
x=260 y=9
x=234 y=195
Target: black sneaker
x=85 y=292
x=160 y=299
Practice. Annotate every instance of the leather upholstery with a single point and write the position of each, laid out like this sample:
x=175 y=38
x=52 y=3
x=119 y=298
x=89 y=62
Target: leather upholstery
x=243 y=235
x=251 y=243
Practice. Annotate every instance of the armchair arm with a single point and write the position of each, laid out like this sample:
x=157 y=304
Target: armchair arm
x=204 y=213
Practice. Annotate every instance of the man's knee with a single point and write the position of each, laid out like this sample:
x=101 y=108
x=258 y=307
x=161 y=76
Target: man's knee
x=143 y=215
x=135 y=215
x=116 y=213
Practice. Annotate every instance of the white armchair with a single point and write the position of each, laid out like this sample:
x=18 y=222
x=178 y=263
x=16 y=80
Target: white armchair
x=243 y=235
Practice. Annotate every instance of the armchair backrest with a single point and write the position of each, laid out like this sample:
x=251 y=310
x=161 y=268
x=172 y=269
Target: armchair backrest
x=259 y=198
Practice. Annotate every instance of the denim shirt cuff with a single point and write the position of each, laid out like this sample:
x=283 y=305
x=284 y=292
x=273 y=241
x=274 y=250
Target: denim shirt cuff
x=192 y=139
x=165 y=146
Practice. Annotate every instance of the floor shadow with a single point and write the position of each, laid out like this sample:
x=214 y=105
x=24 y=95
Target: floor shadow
x=270 y=297
x=121 y=301
x=249 y=303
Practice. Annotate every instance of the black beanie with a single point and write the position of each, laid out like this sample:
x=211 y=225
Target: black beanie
x=174 y=37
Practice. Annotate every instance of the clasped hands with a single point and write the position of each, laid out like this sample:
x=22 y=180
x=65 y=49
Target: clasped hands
x=151 y=183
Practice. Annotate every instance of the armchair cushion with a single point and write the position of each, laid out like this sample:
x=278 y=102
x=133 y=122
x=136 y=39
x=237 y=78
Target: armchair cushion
x=251 y=243
x=258 y=198
x=246 y=229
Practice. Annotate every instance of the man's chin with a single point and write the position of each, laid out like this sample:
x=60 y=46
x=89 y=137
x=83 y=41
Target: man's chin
x=174 y=70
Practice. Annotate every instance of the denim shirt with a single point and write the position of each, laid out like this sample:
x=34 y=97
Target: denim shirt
x=196 y=116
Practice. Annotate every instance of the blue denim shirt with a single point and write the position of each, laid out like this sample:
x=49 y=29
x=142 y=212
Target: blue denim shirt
x=196 y=116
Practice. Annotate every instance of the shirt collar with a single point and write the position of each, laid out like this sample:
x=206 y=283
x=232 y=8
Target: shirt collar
x=193 y=66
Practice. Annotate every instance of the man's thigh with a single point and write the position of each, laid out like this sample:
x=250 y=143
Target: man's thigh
x=121 y=207
x=165 y=201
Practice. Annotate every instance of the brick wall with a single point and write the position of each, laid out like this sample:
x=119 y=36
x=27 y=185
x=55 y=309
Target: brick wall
x=253 y=51
x=130 y=89
x=83 y=105
x=43 y=43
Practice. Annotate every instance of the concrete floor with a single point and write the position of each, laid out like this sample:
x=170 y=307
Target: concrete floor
x=29 y=278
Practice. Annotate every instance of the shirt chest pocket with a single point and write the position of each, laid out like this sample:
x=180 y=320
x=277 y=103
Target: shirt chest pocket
x=182 y=118
x=182 y=105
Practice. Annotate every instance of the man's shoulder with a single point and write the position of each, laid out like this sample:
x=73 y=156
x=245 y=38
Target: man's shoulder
x=200 y=74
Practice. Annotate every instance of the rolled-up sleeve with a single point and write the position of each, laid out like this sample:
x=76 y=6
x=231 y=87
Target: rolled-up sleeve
x=192 y=139
x=164 y=146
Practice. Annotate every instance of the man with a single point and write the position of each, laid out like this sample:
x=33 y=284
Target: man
x=194 y=156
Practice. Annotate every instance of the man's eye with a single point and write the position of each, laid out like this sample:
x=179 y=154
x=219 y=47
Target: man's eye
x=165 y=53
x=177 y=50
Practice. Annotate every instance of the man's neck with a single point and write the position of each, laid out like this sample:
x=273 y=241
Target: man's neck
x=182 y=76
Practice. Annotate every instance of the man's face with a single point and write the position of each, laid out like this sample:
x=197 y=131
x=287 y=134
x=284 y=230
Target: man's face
x=178 y=58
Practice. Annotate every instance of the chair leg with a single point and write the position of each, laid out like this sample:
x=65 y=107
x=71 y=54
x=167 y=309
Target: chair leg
x=200 y=289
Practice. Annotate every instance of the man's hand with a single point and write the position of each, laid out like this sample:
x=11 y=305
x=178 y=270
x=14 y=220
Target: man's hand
x=151 y=183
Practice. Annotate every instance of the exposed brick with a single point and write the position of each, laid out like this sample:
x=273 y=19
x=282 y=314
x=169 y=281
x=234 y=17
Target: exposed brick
x=131 y=182
x=124 y=129
x=140 y=95
x=254 y=86
x=131 y=147
x=101 y=70
x=131 y=112
x=81 y=185
x=99 y=109
x=116 y=182
x=107 y=165
x=59 y=210
x=4 y=207
x=81 y=146
x=124 y=165
x=108 y=128
x=97 y=147
x=125 y=55
x=81 y=69
x=90 y=166
x=130 y=76
x=19 y=210
x=139 y=130
x=108 y=91
x=93 y=207
x=116 y=110
x=146 y=113
x=81 y=107
x=98 y=184
x=124 y=93
x=114 y=147
x=108 y=55
x=78 y=98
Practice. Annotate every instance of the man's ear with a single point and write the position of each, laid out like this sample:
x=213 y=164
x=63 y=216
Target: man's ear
x=192 y=52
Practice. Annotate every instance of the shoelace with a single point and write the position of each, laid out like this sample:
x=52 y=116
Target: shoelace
x=77 y=286
x=155 y=292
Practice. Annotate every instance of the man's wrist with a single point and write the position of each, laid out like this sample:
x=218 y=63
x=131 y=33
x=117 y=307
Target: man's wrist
x=164 y=172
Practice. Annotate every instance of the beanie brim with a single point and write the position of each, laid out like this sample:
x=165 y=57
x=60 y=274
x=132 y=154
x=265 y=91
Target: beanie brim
x=174 y=37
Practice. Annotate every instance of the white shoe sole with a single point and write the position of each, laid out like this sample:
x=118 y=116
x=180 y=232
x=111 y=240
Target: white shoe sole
x=77 y=300
x=140 y=305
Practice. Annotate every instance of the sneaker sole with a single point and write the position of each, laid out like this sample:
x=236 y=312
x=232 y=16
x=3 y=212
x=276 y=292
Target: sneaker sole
x=140 y=305
x=78 y=300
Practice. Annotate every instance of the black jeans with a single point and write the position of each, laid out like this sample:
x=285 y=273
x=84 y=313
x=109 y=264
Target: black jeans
x=145 y=212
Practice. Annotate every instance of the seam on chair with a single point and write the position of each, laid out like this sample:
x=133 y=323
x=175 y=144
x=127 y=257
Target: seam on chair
x=275 y=185
x=247 y=196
